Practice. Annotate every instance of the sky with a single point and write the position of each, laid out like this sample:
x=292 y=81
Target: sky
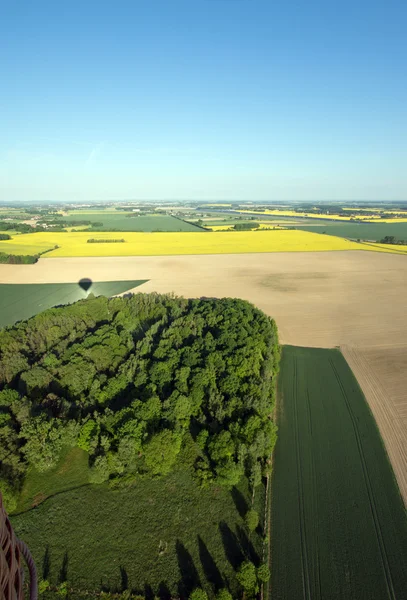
x=203 y=99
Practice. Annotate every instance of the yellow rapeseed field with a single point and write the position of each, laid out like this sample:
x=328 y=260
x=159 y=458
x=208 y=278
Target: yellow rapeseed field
x=150 y=244
x=157 y=243
x=291 y=213
x=377 y=247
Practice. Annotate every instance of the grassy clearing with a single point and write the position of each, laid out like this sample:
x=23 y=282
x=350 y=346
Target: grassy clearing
x=160 y=244
x=22 y=301
x=72 y=471
x=339 y=528
x=121 y=221
x=159 y=536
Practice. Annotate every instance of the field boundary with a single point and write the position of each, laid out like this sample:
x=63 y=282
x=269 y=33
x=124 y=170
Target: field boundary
x=386 y=418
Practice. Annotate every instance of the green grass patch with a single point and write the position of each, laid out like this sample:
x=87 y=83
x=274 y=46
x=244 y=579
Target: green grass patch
x=117 y=221
x=22 y=301
x=338 y=523
x=158 y=536
x=72 y=471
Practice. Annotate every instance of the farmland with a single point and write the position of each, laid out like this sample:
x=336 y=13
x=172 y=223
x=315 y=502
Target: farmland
x=382 y=374
x=363 y=231
x=326 y=217
x=304 y=291
x=150 y=244
x=338 y=522
x=122 y=221
x=149 y=491
x=21 y=301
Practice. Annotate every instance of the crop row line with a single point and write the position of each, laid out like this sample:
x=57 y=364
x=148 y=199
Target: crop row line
x=301 y=509
x=376 y=521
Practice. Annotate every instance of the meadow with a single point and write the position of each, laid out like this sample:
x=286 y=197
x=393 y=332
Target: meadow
x=338 y=523
x=22 y=301
x=121 y=221
x=162 y=536
x=150 y=244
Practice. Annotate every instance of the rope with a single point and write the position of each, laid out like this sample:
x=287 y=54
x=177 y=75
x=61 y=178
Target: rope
x=31 y=568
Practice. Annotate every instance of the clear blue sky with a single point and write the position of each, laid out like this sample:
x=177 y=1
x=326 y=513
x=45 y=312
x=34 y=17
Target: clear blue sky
x=205 y=99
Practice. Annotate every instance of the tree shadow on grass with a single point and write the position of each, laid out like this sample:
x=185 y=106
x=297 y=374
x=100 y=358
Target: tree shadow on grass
x=63 y=572
x=209 y=566
x=240 y=502
x=231 y=545
x=124 y=579
x=46 y=564
x=247 y=546
x=189 y=575
x=148 y=592
x=163 y=591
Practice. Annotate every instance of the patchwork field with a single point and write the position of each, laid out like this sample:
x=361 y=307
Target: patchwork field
x=325 y=299
x=326 y=217
x=21 y=301
x=154 y=244
x=338 y=522
x=318 y=298
x=122 y=221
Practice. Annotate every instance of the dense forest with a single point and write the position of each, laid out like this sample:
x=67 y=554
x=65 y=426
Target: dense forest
x=126 y=379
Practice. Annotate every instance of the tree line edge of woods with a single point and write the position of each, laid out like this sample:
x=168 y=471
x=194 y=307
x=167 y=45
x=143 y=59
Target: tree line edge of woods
x=128 y=379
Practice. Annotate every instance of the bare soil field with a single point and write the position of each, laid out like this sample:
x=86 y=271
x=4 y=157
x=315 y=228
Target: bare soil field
x=321 y=299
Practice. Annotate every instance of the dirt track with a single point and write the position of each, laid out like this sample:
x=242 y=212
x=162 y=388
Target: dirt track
x=325 y=299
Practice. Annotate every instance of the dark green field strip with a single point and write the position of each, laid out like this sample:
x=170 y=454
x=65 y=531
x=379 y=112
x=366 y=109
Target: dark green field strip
x=22 y=301
x=363 y=231
x=113 y=222
x=339 y=527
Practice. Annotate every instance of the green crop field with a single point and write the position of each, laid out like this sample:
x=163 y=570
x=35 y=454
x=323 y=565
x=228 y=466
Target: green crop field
x=339 y=527
x=363 y=231
x=21 y=301
x=161 y=536
x=122 y=222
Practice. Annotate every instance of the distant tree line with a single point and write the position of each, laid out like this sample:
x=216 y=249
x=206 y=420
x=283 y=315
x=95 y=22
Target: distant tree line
x=17 y=259
x=246 y=226
x=390 y=239
x=126 y=379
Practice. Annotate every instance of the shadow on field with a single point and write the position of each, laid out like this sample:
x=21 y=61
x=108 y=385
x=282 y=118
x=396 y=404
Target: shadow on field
x=240 y=502
x=46 y=563
x=231 y=545
x=163 y=591
x=63 y=572
x=124 y=579
x=247 y=546
x=148 y=592
x=85 y=284
x=189 y=575
x=209 y=566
